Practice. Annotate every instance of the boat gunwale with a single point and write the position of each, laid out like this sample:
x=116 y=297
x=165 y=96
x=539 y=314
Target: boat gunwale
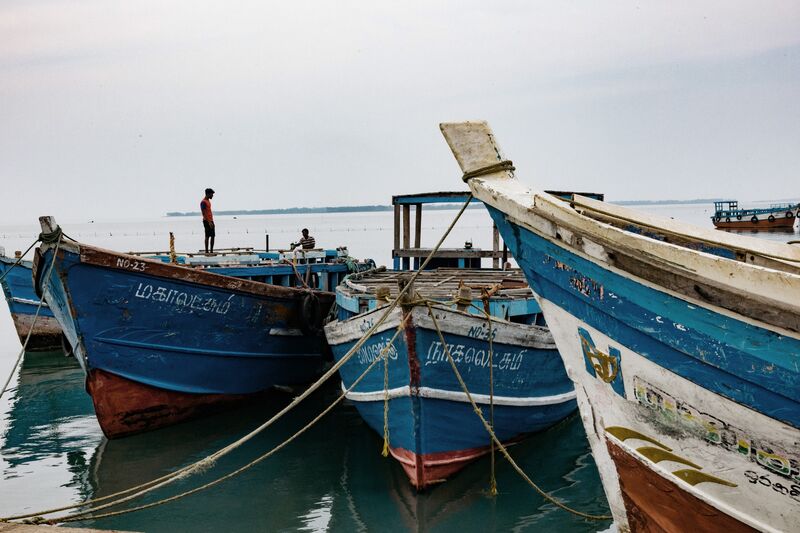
x=342 y=331
x=103 y=258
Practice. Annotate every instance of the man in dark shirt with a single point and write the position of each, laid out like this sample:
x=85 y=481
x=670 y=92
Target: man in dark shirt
x=208 y=220
x=306 y=242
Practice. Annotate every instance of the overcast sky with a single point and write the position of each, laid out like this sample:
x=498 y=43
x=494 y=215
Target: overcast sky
x=130 y=109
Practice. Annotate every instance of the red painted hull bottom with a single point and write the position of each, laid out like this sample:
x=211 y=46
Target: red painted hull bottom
x=46 y=332
x=656 y=504
x=124 y=407
x=424 y=470
x=779 y=223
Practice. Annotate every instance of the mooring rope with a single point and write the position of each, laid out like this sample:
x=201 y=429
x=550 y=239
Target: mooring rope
x=497 y=442
x=493 y=480
x=385 y=450
x=208 y=461
x=18 y=261
x=35 y=316
x=84 y=515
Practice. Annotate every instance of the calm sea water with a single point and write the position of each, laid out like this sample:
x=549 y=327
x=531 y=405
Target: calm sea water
x=333 y=478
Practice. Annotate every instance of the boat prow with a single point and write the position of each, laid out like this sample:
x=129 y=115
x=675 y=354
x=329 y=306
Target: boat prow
x=684 y=345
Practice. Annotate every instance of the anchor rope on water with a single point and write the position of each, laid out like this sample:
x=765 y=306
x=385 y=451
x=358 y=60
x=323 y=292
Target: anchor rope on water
x=35 y=316
x=86 y=515
x=208 y=461
x=497 y=442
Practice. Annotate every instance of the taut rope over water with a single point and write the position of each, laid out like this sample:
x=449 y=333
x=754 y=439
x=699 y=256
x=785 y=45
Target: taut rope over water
x=86 y=515
x=208 y=461
x=497 y=442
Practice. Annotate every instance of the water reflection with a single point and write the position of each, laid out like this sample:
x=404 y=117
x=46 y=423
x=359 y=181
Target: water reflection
x=331 y=479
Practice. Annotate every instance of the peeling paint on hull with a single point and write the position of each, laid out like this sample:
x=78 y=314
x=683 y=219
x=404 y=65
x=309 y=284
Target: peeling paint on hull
x=160 y=343
x=433 y=430
x=674 y=369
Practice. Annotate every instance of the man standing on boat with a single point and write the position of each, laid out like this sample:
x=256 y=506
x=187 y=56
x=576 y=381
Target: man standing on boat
x=208 y=219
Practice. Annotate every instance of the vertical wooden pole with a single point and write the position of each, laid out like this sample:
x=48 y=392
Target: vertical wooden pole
x=406 y=234
x=397 y=227
x=395 y=259
x=418 y=226
x=495 y=246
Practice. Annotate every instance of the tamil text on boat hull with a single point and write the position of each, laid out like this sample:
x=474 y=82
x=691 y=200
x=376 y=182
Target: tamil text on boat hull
x=432 y=428
x=161 y=342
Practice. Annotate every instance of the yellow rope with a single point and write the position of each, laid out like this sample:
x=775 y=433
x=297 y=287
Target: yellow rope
x=84 y=515
x=200 y=465
x=173 y=257
x=497 y=442
x=493 y=480
x=385 y=451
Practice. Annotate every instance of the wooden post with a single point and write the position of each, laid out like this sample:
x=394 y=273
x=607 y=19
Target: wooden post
x=406 y=234
x=396 y=227
x=495 y=246
x=406 y=226
x=418 y=226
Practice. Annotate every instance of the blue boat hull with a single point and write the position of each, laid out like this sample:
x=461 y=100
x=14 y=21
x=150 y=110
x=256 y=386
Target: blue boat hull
x=683 y=343
x=433 y=430
x=156 y=340
x=45 y=333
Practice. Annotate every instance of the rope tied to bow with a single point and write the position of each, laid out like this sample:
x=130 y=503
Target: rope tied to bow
x=506 y=165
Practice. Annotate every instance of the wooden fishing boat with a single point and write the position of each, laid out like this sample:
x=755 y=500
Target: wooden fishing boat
x=432 y=427
x=23 y=303
x=728 y=215
x=684 y=345
x=162 y=342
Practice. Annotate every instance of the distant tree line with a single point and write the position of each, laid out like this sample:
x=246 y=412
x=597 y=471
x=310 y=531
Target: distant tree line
x=372 y=208
x=309 y=210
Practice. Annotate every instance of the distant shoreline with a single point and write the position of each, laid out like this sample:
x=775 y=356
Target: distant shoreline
x=374 y=208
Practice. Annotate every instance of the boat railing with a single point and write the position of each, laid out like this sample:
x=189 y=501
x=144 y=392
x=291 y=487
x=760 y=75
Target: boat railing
x=731 y=213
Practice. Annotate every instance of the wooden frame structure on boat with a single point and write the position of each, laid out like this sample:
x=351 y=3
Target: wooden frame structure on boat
x=446 y=257
x=408 y=257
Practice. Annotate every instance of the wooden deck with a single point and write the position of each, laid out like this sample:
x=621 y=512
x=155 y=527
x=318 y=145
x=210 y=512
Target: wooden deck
x=443 y=283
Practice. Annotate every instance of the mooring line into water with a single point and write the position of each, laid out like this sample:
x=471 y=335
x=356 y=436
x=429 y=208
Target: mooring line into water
x=18 y=261
x=35 y=316
x=86 y=515
x=497 y=442
x=208 y=461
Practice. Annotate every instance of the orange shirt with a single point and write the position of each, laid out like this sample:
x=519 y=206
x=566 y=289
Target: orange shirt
x=205 y=209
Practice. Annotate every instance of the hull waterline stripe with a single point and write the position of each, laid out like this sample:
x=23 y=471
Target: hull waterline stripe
x=453 y=396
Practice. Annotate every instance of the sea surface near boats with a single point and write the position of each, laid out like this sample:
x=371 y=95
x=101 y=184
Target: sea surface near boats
x=333 y=478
